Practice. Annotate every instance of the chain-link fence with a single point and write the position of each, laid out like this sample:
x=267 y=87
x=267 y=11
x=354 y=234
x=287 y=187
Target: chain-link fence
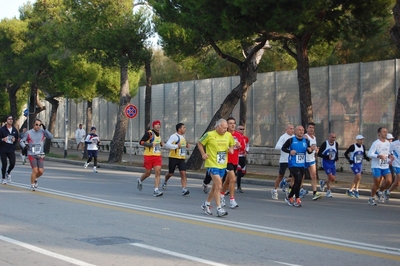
x=347 y=99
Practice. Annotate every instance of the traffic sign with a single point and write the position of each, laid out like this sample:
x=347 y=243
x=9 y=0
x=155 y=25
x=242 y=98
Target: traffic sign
x=131 y=111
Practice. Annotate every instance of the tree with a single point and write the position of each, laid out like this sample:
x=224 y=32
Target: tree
x=189 y=27
x=110 y=33
x=395 y=33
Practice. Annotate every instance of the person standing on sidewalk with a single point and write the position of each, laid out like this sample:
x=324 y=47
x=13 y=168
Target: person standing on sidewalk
x=380 y=155
x=217 y=143
x=296 y=147
x=80 y=138
x=152 y=143
x=92 y=140
x=329 y=154
x=177 y=155
x=34 y=140
x=311 y=162
x=244 y=150
x=283 y=161
x=9 y=136
x=355 y=154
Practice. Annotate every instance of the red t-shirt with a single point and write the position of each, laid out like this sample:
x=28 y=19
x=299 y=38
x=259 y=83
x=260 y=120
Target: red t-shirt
x=234 y=158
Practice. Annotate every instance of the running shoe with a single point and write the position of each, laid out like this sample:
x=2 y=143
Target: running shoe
x=139 y=185
x=233 y=204
x=288 y=190
x=94 y=170
x=32 y=188
x=303 y=192
x=386 y=195
x=350 y=193
x=380 y=196
x=164 y=186
x=316 y=196
x=221 y=212
x=206 y=208
x=157 y=193
x=328 y=194
x=289 y=201
x=372 y=202
x=36 y=183
x=274 y=194
x=8 y=176
x=297 y=203
x=85 y=165
x=4 y=181
x=184 y=192
x=205 y=188
x=222 y=201
x=239 y=190
x=322 y=185
x=227 y=192
x=356 y=194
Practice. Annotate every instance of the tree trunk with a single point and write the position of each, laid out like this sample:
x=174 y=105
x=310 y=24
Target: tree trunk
x=88 y=125
x=395 y=33
x=303 y=78
x=243 y=109
x=147 y=100
x=12 y=92
x=53 y=117
x=35 y=106
x=118 y=141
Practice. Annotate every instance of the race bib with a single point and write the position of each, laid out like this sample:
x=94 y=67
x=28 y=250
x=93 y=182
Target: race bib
x=332 y=155
x=300 y=157
x=221 y=157
x=358 y=158
x=157 y=148
x=36 y=149
x=383 y=162
x=182 y=151
x=9 y=139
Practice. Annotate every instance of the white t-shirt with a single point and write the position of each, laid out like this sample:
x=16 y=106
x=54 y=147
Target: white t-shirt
x=379 y=148
x=284 y=156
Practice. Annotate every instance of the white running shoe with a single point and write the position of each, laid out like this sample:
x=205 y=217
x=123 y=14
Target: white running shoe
x=185 y=192
x=274 y=194
x=36 y=183
x=4 y=181
x=164 y=186
x=206 y=208
x=233 y=204
x=157 y=193
x=85 y=165
x=32 y=188
x=222 y=201
x=8 y=176
x=94 y=169
x=221 y=212
x=328 y=194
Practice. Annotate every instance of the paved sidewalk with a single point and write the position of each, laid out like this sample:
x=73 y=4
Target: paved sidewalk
x=256 y=174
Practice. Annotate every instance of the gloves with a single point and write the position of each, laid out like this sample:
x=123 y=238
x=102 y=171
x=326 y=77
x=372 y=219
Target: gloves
x=351 y=161
x=44 y=127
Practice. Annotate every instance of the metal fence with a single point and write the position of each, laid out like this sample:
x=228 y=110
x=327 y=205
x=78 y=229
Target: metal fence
x=347 y=99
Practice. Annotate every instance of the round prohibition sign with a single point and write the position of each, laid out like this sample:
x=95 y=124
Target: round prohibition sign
x=131 y=111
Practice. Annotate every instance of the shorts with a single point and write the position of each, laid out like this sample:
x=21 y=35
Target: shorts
x=173 y=163
x=217 y=171
x=36 y=161
x=151 y=161
x=396 y=170
x=356 y=168
x=92 y=153
x=231 y=167
x=378 y=172
x=282 y=168
x=330 y=170
x=308 y=164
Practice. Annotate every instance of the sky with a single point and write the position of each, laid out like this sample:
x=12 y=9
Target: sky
x=9 y=8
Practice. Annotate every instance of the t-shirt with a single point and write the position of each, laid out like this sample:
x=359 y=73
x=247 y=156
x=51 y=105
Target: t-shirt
x=217 y=148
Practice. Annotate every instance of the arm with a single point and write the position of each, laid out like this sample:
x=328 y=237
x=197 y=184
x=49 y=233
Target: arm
x=337 y=154
x=47 y=134
x=170 y=145
x=320 y=151
x=365 y=154
x=280 y=142
x=346 y=154
x=204 y=155
x=372 y=151
x=145 y=138
x=286 y=146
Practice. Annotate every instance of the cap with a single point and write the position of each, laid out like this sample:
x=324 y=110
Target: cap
x=92 y=128
x=359 y=137
x=389 y=136
x=155 y=122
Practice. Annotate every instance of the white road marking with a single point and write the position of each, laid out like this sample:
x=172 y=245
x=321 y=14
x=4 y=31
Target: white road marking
x=225 y=222
x=45 y=252
x=179 y=255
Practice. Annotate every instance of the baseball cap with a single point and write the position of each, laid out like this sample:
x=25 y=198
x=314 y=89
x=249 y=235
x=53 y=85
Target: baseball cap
x=359 y=137
x=92 y=128
x=389 y=136
x=155 y=122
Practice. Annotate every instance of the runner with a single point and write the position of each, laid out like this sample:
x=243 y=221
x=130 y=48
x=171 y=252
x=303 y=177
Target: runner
x=329 y=154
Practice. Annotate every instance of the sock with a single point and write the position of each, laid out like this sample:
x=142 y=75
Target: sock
x=314 y=192
x=208 y=203
x=231 y=199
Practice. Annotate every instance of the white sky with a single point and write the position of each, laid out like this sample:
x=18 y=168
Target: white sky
x=9 y=8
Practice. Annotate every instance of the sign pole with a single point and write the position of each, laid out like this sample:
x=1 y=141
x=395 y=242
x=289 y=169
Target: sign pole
x=131 y=112
x=130 y=144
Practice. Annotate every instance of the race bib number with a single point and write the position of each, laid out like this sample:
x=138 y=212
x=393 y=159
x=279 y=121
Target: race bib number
x=221 y=157
x=332 y=155
x=182 y=151
x=383 y=162
x=157 y=148
x=36 y=149
x=300 y=157
x=358 y=158
x=9 y=139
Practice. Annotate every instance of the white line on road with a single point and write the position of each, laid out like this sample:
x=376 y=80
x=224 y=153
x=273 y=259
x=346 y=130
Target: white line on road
x=45 y=252
x=179 y=255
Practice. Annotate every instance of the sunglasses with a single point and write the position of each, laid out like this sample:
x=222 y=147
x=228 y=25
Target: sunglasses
x=37 y=124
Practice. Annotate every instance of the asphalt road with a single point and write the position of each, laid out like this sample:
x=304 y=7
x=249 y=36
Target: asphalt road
x=77 y=217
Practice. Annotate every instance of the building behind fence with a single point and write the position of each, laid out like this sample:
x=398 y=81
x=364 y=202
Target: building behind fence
x=347 y=99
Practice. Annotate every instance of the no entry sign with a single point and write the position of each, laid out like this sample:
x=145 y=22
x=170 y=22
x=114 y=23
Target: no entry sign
x=131 y=111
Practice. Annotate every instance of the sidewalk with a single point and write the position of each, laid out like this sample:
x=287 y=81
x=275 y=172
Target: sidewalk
x=256 y=174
